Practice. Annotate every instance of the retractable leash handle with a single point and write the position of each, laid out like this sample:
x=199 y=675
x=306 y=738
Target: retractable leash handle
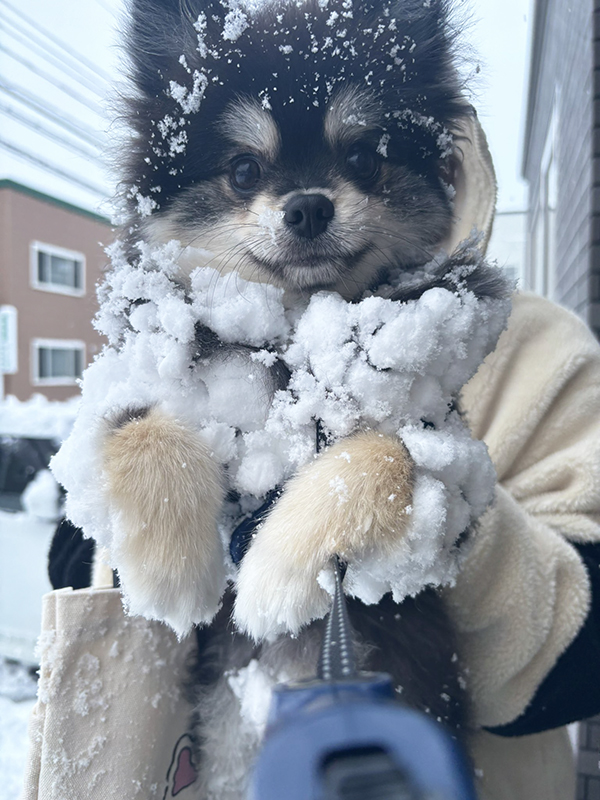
x=342 y=736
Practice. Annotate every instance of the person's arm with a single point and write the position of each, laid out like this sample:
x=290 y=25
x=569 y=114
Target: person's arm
x=525 y=602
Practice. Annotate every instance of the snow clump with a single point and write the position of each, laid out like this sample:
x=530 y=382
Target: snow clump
x=393 y=366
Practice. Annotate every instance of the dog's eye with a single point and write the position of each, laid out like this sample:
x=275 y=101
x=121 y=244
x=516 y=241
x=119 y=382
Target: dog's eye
x=363 y=162
x=245 y=173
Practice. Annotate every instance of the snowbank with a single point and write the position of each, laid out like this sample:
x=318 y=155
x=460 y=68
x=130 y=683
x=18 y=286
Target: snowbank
x=17 y=698
x=38 y=417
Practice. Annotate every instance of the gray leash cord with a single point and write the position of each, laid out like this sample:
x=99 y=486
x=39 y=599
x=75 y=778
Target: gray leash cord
x=337 y=660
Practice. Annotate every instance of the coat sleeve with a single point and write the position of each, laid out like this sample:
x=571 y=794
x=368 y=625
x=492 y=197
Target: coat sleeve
x=524 y=602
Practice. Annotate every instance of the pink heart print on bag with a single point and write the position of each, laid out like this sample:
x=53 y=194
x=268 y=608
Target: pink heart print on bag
x=182 y=772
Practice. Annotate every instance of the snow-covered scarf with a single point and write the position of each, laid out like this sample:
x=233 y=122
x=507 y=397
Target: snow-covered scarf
x=395 y=361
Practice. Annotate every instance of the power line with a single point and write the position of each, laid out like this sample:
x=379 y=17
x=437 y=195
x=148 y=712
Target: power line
x=26 y=37
x=79 y=149
x=59 y=85
x=60 y=63
x=68 y=176
x=52 y=113
x=61 y=45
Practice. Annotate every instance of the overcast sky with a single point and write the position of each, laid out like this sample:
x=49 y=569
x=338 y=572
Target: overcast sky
x=60 y=61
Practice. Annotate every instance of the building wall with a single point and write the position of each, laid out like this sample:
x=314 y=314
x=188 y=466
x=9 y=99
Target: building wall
x=560 y=113
x=588 y=764
x=25 y=217
x=594 y=279
x=565 y=87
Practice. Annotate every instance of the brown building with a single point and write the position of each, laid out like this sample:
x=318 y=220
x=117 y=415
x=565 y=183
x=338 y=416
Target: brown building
x=51 y=258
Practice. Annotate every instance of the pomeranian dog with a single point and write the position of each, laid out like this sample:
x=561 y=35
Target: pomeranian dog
x=307 y=144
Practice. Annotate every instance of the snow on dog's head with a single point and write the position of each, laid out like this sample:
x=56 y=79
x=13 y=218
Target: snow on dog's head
x=305 y=144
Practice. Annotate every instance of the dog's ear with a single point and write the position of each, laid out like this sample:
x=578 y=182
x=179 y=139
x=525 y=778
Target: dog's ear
x=428 y=16
x=160 y=32
x=153 y=29
x=431 y=12
x=421 y=33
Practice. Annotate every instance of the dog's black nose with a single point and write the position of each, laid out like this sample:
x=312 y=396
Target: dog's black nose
x=308 y=214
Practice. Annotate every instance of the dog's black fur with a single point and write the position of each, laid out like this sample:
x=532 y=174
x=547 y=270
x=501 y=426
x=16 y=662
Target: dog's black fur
x=412 y=642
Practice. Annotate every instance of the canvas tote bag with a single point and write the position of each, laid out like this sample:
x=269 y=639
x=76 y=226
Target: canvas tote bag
x=111 y=717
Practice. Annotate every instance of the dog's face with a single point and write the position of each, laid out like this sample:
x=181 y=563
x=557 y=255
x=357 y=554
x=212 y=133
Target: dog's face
x=304 y=144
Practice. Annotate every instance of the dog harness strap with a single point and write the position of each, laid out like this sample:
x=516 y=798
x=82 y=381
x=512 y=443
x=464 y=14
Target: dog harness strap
x=244 y=532
x=242 y=535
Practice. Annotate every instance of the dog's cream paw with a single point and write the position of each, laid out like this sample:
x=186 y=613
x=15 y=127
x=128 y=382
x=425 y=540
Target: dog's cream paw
x=165 y=492
x=351 y=501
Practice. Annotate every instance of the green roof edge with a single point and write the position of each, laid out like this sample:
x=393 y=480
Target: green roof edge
x=6 y=183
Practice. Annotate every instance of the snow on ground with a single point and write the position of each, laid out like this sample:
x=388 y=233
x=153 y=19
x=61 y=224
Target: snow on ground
x=17 y=697
x=37 y=417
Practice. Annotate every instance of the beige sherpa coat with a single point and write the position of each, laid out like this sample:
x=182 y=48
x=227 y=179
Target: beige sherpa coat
x=524 y=591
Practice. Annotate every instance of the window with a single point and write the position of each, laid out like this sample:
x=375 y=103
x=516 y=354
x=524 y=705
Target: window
x=542 y=268
x=57 y=362
x=54 y=269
